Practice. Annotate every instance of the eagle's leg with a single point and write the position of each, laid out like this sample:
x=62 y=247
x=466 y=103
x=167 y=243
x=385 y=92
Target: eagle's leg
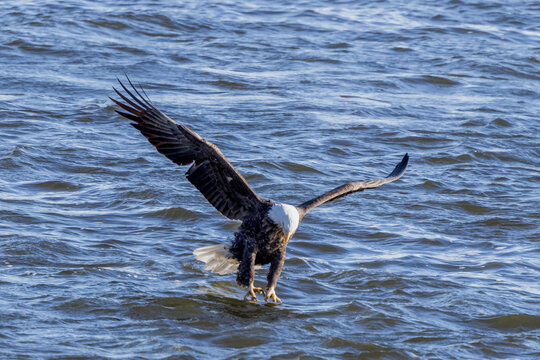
x=273 y=275
x=246 y=272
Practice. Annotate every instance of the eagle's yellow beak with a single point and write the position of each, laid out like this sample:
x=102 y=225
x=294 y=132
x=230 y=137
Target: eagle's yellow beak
x=287 y=237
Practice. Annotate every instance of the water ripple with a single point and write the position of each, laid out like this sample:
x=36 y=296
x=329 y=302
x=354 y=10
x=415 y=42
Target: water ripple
x=97 y=229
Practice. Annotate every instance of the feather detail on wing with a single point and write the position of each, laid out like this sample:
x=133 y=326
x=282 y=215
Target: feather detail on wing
x=352 y=187
x=210 y=173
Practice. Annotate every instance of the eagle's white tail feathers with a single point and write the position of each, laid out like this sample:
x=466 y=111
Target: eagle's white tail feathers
x=217 y=259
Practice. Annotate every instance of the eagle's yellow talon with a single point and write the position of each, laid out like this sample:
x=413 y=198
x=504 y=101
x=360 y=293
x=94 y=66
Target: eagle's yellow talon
x=251 y=293
x=271 y=294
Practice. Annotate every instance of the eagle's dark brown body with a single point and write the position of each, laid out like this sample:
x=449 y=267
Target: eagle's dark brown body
x=259 y=241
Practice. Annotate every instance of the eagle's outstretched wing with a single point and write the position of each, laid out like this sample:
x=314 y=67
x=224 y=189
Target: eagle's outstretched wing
x=352 y=187
x=211 y=173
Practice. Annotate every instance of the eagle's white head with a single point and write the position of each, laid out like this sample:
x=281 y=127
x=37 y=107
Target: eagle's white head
x=287 y=217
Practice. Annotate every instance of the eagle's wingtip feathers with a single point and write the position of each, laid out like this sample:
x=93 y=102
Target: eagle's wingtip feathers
x=400 y=168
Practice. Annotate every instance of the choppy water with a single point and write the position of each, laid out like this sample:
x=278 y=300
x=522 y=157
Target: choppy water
x=97 y=229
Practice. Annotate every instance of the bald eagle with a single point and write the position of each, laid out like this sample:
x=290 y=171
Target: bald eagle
x=266 y=227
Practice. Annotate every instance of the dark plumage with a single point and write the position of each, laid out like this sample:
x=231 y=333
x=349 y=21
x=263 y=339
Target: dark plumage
x=266 y=226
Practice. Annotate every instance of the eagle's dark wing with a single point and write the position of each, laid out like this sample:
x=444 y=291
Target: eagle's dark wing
x=211 y=173
x=352 y=187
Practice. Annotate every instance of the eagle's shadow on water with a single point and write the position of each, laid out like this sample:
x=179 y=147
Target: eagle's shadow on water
x=240 y=308
x=207 y=308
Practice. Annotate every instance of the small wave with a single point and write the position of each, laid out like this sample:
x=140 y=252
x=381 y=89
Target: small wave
x=55 y=185
x=113 y=25
x=229 y=84
x=317 y=60
x=425 y=339
x=39 y=48
x=499 y=222
x=295 y=167
x=498 y=122
x=338 y=342
x=432 y=185
x=9 y=97
x=449 y=159
x=473 y=208
x=129 y=49
x=175 y=213
x=401 y=49
x=431 y=79
x=341 y=45
x=309 y=246
x=512 y=322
